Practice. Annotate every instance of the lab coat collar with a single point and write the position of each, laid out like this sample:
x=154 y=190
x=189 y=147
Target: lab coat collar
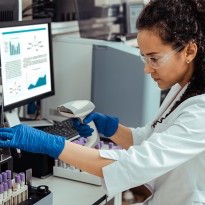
x=174 y=95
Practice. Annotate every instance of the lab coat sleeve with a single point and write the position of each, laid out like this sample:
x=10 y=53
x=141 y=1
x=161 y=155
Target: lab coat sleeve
x=140 y=134
x=160 y=153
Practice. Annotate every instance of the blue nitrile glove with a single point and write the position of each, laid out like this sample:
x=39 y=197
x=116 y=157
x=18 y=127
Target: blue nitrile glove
x=32 y=140
x=105 y=125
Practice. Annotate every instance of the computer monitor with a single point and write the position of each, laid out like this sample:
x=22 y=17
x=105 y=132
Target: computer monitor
x=131 y=11
x=26 y=64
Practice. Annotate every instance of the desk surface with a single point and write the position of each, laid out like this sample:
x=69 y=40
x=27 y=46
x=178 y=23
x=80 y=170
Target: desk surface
x=70 y=192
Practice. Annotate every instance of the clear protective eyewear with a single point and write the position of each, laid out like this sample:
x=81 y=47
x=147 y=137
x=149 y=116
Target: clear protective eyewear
x=156 y=61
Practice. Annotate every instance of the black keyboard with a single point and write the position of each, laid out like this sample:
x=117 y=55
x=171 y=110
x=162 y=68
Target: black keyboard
x=64 y=128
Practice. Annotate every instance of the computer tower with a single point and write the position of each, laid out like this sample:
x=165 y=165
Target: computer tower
x=10 y=10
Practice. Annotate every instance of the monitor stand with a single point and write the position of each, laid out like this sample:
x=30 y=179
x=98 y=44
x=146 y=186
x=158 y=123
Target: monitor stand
x=12 y=117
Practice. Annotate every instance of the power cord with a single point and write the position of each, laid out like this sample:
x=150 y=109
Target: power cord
x=99 y=201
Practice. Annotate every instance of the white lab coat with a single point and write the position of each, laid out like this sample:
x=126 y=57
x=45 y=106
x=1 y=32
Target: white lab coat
x=170 y=159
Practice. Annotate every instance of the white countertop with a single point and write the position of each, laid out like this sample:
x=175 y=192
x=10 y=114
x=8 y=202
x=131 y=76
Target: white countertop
x=67 y=192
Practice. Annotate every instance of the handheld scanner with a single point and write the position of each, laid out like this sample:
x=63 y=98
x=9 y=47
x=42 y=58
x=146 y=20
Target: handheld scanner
x=80 y=109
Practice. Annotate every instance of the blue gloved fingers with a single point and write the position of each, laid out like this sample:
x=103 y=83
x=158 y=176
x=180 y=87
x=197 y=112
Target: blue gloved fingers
x=86 y=133
x=5 y=143
x=111 y=126
x=8 y=130
x=83 y=127
x=90 y=118
x=6 y=136
x=76 y=122
x=105 y=124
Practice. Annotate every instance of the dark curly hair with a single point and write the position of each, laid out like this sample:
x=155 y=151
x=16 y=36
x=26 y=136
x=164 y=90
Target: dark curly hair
x=179 y=22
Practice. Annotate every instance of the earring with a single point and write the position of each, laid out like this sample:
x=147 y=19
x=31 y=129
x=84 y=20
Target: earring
x=187 y=61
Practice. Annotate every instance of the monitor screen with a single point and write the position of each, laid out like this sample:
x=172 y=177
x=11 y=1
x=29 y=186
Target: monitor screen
x=26 y=62
x=131 y=13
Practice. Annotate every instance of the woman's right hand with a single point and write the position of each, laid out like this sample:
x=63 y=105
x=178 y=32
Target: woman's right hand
x=105 y=125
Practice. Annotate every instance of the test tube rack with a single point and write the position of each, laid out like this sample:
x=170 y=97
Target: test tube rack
x=17 y=196
x=61 y=169
x=76 y=175
x=12 y=191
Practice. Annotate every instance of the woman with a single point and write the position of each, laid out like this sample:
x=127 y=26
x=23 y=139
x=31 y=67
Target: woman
x=167 y=155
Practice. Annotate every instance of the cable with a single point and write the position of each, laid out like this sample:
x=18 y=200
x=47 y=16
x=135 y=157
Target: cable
x=99 y=201
x=77 y=10
x=41 y=9
x=2 y=109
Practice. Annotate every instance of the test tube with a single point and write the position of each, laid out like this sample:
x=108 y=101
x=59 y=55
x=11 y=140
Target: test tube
x=9 y=182
x=1 y=178
x=17 y=181
x=56 y=162
x=23 y=178
x=18 y=186
x=1 y=193
x=101 y=143
x=4 y=176
x=5 y=189
x=110 y=145
x=8 y=172
x=98 y=146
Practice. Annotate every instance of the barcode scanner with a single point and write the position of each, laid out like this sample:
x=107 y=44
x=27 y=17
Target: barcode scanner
x=80 y=109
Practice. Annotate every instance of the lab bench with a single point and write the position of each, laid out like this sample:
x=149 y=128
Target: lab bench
x=72 y=192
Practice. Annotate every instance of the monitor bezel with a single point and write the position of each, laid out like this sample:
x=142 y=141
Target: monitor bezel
x=126 y=12
x=40 y=96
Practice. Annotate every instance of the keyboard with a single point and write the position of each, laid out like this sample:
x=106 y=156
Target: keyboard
x=64 y=128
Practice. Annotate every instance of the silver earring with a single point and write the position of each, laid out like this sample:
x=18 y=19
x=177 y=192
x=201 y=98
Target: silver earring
x=187 y=61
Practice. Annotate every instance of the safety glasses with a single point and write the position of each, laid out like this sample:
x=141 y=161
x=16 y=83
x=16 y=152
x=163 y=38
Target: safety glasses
x=157 y=61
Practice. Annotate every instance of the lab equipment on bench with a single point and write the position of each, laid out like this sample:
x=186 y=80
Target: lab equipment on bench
x=15 y=190
x=78 y=109
x=40 y=195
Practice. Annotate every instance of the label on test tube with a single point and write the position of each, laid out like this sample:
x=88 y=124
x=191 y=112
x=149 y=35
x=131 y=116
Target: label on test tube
x=1 y=192
x=18 y=186
x=17 y=181
x=9 y=182
x=5 y=189
x=23 y=178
